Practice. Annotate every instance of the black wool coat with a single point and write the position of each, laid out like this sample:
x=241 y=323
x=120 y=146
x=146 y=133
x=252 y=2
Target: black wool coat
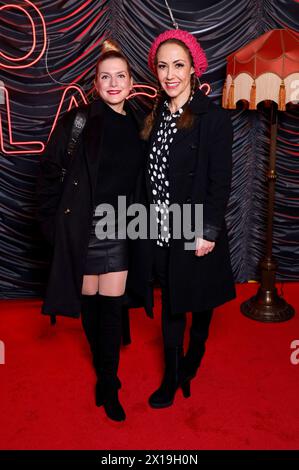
x=64 y=210
x=200 y=168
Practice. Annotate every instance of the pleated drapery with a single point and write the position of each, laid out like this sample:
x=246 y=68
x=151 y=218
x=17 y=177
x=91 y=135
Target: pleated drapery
x=75 y=30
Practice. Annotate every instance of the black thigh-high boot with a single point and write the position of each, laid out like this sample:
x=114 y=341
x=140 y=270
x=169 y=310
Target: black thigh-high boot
x=89 y=320
x=199 y=333
x=90 y=314
x=126 y=334
x=110 y=330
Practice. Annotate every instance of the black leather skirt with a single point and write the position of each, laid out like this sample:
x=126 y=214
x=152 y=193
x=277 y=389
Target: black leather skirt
x=107 y=255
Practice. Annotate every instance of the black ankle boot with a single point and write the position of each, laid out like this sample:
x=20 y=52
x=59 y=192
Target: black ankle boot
x=192 y=361
x=108 y=398
x=199 y=333
x=165 y=394
x=99 y=392
x=110 y=314
x=113 y=407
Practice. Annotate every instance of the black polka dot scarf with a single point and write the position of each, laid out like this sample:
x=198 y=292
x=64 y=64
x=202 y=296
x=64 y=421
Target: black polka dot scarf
x=158 y=171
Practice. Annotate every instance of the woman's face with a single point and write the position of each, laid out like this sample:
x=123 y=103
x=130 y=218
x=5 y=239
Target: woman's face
x=113 y=81
x=174 y=70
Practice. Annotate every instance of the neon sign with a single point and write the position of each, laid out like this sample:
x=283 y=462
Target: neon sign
x=44 y=39
x=37 y=146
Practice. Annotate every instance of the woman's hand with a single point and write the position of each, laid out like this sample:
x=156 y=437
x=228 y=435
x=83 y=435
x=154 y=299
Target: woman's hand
x=203 y=247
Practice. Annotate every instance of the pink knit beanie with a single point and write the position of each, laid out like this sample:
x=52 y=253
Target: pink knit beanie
x=199 y=58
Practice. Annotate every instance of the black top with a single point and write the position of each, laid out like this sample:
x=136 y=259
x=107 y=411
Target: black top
x=121 y=157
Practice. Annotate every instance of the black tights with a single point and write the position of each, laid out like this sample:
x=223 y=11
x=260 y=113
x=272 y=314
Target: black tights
x=173 y=326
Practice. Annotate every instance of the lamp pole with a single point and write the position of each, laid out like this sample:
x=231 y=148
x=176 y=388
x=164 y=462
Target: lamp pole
x=267 y=305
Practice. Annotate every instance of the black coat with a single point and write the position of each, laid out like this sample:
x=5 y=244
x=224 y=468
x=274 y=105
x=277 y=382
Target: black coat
x=200 y=167
x=65 y=211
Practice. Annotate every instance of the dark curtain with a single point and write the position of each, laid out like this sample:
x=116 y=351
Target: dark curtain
x=75 y=30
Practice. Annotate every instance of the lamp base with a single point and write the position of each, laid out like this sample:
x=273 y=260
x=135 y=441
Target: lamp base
x=267 y=306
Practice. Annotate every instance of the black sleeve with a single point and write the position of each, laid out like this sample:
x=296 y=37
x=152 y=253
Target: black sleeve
x=219 y=177
x=49 y=184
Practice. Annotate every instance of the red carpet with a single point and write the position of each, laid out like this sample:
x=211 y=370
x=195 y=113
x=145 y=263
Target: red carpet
x=245 y=396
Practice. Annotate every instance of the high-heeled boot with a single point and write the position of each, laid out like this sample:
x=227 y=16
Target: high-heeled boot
x=125 y=329
x=89 y=320
x=91 y=324
x=110 y=324
x=192 y=360
x=199 y=332
x=164 y=396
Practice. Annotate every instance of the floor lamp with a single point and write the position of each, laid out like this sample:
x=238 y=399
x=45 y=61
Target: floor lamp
x=265 y=70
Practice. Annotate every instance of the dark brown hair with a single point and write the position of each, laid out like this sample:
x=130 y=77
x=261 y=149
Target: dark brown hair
x=186 y=119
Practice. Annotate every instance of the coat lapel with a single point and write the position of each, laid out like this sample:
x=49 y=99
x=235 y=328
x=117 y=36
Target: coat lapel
x=182 y=134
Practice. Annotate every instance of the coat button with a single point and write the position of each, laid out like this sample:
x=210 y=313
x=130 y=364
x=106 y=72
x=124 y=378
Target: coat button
x=188 y=200
x=67 y=210
x=191 y=173
x=75 y=182
x=193 y=146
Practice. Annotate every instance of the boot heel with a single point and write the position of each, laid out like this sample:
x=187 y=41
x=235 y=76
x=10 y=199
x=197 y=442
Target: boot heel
x=99 y=401
x=186 y=389
x=113 y=407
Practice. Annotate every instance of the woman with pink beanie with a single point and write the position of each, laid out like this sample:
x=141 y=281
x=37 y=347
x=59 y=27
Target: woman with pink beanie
x=189 y=162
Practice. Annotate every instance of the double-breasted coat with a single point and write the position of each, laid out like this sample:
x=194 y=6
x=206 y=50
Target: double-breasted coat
x=65 y=210
x=200 y=169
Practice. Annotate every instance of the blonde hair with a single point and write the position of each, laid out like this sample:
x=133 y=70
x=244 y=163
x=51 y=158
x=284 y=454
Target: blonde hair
x=111 y=50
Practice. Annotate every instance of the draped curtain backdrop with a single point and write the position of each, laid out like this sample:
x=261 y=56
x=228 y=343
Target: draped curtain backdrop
x=74 y=32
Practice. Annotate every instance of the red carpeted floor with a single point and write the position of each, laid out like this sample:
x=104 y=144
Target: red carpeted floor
x=245 y=396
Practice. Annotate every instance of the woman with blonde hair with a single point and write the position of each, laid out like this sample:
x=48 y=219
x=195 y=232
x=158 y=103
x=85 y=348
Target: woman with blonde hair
x=88 y=272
